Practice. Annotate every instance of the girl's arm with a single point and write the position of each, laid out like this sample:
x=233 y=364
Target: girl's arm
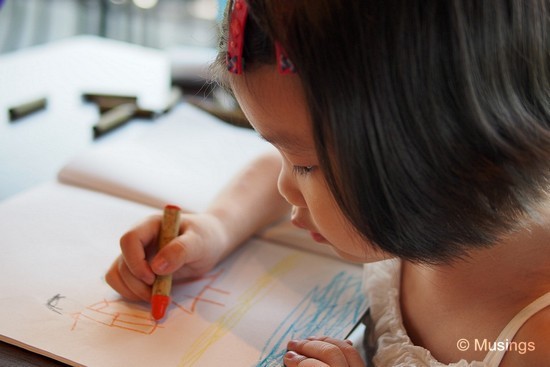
x=250 y=202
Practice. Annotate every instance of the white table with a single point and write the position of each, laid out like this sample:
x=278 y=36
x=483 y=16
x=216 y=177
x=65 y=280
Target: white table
x=34 y=148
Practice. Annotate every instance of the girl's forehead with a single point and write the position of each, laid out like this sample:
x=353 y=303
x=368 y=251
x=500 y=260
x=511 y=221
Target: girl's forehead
x=265 y=78
x=267 y=89
x=276 y=108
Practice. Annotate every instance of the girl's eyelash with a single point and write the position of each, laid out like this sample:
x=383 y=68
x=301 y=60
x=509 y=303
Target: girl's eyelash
x=302 y=170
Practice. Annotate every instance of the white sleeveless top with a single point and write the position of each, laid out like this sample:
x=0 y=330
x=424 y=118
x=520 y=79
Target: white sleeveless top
x=386 y=341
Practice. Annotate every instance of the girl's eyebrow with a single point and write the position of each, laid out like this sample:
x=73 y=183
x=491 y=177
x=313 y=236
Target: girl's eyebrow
x=289 y=143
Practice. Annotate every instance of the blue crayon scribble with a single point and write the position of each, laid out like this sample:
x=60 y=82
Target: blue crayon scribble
x=330 y=310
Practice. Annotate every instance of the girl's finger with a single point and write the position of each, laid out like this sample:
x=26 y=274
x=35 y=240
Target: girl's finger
x=114 y=279
x=346 y=346
x=293 y=359
x=133 y=245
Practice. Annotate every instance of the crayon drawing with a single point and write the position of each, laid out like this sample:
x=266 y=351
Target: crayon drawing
x=117 y=314
x=331 y=307
x=242 y=313
x=53 y=303
x=325 y=310
x=131 y=317
x=231 y=318
x=198 y=290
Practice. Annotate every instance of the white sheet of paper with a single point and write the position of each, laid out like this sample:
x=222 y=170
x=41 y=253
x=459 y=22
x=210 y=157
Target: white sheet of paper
x=57 y=243
x=186 y=160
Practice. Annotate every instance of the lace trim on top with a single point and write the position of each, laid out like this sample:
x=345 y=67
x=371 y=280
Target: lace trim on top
x=394 y=347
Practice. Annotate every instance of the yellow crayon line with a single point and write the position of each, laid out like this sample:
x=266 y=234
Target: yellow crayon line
x=231 y=318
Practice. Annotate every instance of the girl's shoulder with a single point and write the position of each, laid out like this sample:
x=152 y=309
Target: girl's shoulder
x=531 y=345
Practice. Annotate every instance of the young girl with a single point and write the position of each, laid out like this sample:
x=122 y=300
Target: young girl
x=414 y=136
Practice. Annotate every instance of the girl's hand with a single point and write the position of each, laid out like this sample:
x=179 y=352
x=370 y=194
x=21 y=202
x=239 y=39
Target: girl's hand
x=249 y=202
x=322 y=352
x=196 y=251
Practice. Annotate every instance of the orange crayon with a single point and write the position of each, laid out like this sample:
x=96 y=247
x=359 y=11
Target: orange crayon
x=160 y=299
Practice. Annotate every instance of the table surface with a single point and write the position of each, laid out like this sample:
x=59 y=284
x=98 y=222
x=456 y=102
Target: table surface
x=13 y=356
x=34 y=148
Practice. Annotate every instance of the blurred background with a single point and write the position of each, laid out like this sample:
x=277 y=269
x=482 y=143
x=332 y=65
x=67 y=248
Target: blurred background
x=161 y=24
x=53 y=52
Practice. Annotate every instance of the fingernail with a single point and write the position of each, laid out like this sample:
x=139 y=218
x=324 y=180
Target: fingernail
x=292 y=344
x=159 y=264
x=291 y=355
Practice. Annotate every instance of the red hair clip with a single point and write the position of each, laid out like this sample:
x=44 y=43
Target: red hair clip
x=235 y=42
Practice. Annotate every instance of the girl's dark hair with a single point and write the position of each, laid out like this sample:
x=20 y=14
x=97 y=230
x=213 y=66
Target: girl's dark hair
x=431 y=118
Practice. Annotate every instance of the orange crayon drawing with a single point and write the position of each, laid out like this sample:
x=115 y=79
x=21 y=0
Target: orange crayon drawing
x=205 y=284
x=109 y=313
x=119 y=314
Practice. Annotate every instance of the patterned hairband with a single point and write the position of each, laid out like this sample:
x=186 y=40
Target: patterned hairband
x=237 y=22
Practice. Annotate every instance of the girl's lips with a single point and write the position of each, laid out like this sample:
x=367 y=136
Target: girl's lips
x=317 y=237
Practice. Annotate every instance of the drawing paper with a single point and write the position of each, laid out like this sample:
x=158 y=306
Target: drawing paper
x=57 y=243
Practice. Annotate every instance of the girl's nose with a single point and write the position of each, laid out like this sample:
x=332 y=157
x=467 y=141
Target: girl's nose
x=289 y=188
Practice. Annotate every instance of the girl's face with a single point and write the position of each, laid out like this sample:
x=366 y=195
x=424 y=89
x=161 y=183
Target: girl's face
x=275 y=106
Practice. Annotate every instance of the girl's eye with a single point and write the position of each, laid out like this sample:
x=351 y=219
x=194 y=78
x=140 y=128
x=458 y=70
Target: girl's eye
x=302 y=170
